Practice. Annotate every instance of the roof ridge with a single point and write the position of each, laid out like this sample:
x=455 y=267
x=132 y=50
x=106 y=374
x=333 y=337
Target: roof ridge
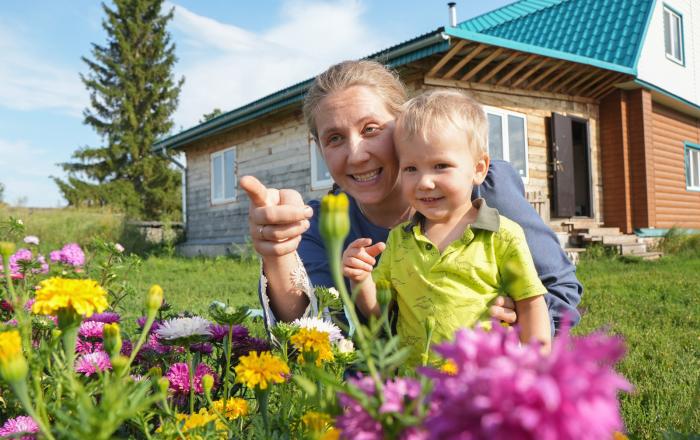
x=500 y=15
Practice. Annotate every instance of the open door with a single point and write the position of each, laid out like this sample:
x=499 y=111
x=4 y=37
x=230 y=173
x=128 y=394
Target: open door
x=571 y=170
x=563 y=188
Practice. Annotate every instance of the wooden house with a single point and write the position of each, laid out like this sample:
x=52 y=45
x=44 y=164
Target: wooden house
x=596 y=103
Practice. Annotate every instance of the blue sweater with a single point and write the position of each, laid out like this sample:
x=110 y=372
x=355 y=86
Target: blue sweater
x=503 y=189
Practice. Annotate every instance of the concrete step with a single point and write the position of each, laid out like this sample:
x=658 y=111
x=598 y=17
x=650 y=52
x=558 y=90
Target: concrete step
x=564 y=239
x=600 y=231
x=632 y=249
x=574 y=254
x=620 y=239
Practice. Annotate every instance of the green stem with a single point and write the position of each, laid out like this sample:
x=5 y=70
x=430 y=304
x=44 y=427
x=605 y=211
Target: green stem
x=20 y=389
x=190 y=364
x=262 y=396
x=69 y=324
x=142 y=339
x=228 y=349
x=8 y=278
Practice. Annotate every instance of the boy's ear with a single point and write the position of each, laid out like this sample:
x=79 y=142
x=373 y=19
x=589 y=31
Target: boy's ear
x=481 y=168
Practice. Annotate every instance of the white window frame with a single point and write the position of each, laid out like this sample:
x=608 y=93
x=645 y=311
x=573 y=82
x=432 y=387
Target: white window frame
x=315 y=155
x=675 y=36
x=212 y=157
x=503 y=114
x=692 y=166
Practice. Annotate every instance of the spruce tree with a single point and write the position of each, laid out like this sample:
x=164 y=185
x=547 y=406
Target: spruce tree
x=133 y=94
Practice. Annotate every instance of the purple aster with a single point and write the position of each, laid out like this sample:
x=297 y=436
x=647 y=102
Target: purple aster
x=127 y=348
x=28 y=305
x=204 y=348
x=398 y=392
x=355 y=422
x=20 y=425
x=105 y=317
x=141 y=321
x=71 y=255
x=92 y=363
x=55 y=256
x=504 y=390
x=85 y=347
x=91 y=329
x=179 y=377
x=23 y=261
x=5 y=305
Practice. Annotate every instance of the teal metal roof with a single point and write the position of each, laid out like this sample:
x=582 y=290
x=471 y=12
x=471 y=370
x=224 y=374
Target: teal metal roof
x=609 y=31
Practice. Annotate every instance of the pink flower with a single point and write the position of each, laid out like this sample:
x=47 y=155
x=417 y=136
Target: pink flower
x=105 y=317
x=71 y=254
x=86 y=347
x=91 y=329
x=20 y=425
x=179 y=377
x=504 y=390
x=92 y=363
x=119 y=248
x=23 y=262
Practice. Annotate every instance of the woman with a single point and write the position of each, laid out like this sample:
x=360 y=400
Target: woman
x=350 y=110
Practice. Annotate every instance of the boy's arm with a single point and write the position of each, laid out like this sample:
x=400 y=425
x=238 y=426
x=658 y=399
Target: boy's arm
x=358 y=262
x=533 y=319
x=503 y=189
x=366 y=298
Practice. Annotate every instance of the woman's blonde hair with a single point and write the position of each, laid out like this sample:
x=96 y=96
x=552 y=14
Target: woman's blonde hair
x=429 y=112
x=354 y=73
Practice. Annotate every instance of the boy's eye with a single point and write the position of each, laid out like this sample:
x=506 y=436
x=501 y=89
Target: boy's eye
x=409 y=169
x=442 y=166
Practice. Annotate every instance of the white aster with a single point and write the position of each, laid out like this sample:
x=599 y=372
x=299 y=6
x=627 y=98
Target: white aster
x=31 y=239
x=333 y=291
x=321 y=325
x=346 y=346
x=178 y=328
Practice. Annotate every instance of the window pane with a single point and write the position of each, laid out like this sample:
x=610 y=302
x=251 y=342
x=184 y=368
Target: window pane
x=216 y=175
x=667 y=32
x=676 y=20
x=696 y=172
x=516 y=143
x=230 y=174
x=322 y=172
x=495 y=137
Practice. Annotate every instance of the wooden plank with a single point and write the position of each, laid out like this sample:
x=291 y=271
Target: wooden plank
x=500 y=67
x=584 y=79
x=558 y=76
x=517 y=69
x=447 y=57
x=530 y=72
x=463 y=62
x=505 y=90
x=545 y=74
x=594 y=83
x=603 y=93
x=616 y=79
x=571 y=78
x=469 y=75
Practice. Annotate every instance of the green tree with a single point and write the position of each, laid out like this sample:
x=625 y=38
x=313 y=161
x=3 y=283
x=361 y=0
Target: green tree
x=2 y=192
x=133 y=94
x=211 y=115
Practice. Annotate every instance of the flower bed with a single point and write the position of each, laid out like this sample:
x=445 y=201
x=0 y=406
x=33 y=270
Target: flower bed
x=75 y=370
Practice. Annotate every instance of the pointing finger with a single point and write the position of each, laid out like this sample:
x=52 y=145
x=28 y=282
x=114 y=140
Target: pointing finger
x=255 y=190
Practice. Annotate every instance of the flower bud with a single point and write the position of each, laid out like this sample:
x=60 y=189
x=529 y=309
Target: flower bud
x=383 y=293
x=154 y=299
x=119 y=363
x=226 y=314
x=207 y=384
x=112 y=339
x=429 y=326
x=335 y=221
x=346 y=346
x=282 y=331
x=7 y=249
x=163 y=385
x=13 y=365
x=155 y=372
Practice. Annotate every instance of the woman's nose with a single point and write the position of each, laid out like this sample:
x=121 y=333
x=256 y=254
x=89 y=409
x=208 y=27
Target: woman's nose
x=357 y=150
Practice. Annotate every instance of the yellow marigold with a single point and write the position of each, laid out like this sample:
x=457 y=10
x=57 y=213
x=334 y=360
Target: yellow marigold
x=331 y=434
x=195 y=421
x=316 y=421
x=617 y=435
x=83 y=297
x=449 y=367
x=257 y=370
x=310 y=340
x=13 y=365
x=235 y=407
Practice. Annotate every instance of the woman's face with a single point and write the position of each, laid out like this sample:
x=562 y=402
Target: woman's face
x=355 y=133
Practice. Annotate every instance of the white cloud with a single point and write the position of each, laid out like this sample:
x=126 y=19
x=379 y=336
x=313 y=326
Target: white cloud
x=226 y=66
x=25 y=173
x=27 y=82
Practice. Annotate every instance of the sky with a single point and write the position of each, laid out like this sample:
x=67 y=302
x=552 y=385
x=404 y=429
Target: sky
x=230 y=52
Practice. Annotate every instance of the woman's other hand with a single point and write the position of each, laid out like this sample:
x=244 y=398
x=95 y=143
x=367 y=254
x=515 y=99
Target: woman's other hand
x=503 y=309
x=359 y=259
x=276 y=218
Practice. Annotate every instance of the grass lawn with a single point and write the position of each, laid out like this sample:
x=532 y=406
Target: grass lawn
x=654 y=305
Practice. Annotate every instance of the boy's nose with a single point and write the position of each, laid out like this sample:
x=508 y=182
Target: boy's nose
x=426 y=182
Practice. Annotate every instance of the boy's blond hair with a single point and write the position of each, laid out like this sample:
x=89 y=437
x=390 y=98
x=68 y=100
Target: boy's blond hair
x=431 y=111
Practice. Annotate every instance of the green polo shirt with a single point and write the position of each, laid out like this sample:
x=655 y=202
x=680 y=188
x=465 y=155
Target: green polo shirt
x=490 y=259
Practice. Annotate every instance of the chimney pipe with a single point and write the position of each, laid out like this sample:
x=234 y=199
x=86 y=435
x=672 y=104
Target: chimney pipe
x=452 y=6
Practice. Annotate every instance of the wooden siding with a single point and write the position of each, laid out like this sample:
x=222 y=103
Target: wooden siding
x=675 y=205
x=639 y=121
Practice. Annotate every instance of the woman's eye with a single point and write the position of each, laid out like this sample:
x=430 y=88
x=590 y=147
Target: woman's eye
x=334 y=139
x=371 y=129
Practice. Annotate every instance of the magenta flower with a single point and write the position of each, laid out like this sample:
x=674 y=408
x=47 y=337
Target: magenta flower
x=23 y=262
x=87 y=347
x=179 y=377
x=20 y=425
x=104 y=317
x=71 y=255
x=92 y=363
x=91 y=329
x=398 y=392
x=504 y=390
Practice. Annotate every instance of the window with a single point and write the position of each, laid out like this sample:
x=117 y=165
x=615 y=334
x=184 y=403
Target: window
x=673 y=35
x=320 y=176
x=692 y=166
x=508 y=138
x=223 y=176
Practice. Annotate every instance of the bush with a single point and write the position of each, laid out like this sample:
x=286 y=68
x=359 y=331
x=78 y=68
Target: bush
x=678 y=241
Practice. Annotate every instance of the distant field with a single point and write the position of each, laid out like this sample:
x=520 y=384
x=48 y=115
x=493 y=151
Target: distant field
x=655 y=306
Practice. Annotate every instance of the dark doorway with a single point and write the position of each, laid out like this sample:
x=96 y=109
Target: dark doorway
x=570 y=154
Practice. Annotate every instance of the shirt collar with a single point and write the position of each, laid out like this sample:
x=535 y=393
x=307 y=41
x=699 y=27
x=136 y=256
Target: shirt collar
x=487 y=218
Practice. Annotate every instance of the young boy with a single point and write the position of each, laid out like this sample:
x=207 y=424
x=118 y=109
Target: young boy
x=455 y=255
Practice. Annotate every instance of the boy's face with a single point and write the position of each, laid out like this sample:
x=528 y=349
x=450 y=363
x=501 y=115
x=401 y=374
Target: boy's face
x=437 y=175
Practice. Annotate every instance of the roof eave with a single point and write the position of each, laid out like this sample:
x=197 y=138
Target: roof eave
x=522 y=47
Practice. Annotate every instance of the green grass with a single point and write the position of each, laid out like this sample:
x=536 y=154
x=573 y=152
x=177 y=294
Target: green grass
x=655 y=306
